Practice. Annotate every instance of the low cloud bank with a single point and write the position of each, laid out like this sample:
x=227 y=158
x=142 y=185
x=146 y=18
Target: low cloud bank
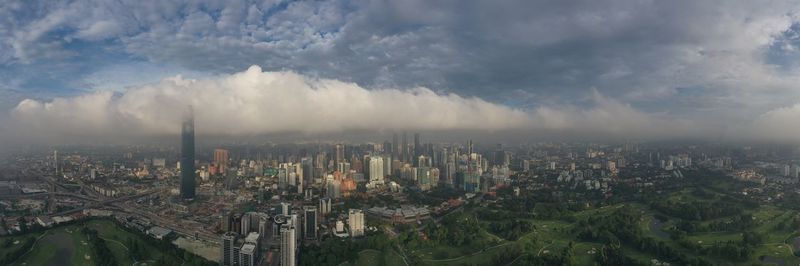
x=254 y=102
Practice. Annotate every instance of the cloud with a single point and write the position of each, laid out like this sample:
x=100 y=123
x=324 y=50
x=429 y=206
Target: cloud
x=662 y=68
x=255 y=102
x=779 y=124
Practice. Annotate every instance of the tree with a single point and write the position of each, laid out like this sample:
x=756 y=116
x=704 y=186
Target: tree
x=23 y=224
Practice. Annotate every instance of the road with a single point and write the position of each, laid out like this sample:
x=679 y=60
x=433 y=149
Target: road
x=108 y=201
x=169 y=224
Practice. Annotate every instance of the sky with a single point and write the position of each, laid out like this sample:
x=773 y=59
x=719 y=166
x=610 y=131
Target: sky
x=620 y=69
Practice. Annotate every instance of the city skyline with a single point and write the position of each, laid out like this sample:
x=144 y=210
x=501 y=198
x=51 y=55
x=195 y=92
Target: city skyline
x=399 y=132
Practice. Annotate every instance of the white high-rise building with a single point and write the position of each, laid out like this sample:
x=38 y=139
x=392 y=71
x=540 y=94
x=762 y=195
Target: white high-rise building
x=245 y=224
x=324 y=206
x=376 y=169
x=288 y=244
x=355 y=219
x=248 y=255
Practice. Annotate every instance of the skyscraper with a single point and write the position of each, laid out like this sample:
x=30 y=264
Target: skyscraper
x=404 y=149
x=376 y=169
x=310 y=222
x=55 y=161
x=221 y=158
x=417 y=149
x=187 y=155
x=228 y=243
x=395 y=146
x=288 y=243
x=340 y=153
x=355 y=219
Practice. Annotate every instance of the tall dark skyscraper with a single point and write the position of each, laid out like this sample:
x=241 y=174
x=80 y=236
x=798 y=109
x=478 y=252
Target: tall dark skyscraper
x=417 y=149
x=187 y=155
x=404 y=148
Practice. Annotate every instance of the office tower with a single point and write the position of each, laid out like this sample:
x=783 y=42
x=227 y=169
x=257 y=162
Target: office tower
x=417 y=149
x=249 y=252
x=237 y=249
x=395 y=146
x=324 y=206
x=187 y=156
x=343 y=167
x=245 y=223
x=55 y=162
x=500 y=156
x=221 y=158
x=228 y=243
x=340 y=153
x=387 y=165
x=227 y=219
x=423 y=177
x=288 y=244
x=310 y=222
x=404 y=149
x=450 y=174
x=387 y=147
x=376 y=169
x=424 y=161
x=247 y=255
x=298 y=171
x=355 y=219
x=308 y=169
x=283 y=177
x=286 y=208
x=334 y=189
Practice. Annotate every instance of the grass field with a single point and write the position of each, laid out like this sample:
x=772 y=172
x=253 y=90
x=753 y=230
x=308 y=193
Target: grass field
x=68 y=243
x=555 y=235
x=58 y=245
x=375 y=257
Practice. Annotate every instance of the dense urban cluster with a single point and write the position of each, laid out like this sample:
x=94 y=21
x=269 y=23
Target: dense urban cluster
x=402 y=202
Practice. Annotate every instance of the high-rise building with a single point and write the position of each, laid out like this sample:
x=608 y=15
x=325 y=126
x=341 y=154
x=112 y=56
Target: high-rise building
x=288 y=245
x=221 y=158
x=340 y=153
x=387 y=165
x=355 y=219
x=417 y=149
x=245 y=223
x=286 y=208
x=343 y=167
x=227 y=219
x=310 y=222
x=395 y=146
x=228 y=243
x=187 y=156
x=308 y=170
x=324 y=206
x=334 y=189
x=376 y=169
x=404 y=149
x=55 y=162
x=248 y=255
